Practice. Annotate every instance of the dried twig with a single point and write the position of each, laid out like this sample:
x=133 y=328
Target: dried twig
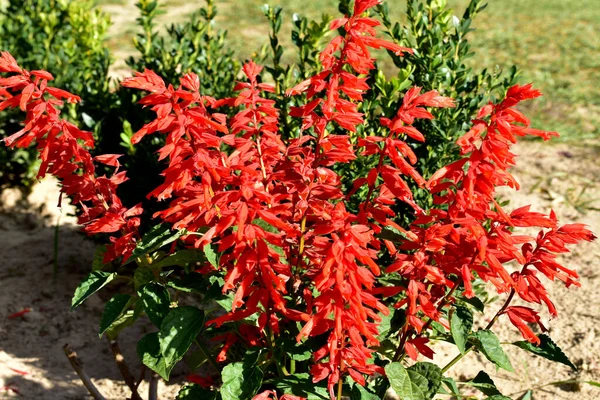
x=78 y=367
x=142 y=376
x=124 y=369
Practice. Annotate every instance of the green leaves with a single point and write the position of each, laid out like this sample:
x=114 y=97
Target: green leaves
x=490 y=346
x=300 y=384
x=160 y=351
x=484 y=383
x=461 y=322
x=157 y=237
x=401 y=383
x=419 y=382
x=427 y=376
x=156 y=301
x=148 y=349
x=211 y=255
x=90 y=285
x=113 y=310
x=180 y=258
x=547 y=349
x=178 y=331
x=241 y=381
x=195 y=392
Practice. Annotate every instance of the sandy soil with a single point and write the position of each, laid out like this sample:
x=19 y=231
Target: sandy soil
x=33 y=366
x=32 y=362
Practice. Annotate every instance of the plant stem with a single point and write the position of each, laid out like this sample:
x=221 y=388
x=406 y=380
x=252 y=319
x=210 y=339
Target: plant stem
x=281 y=370
x=78 y=367
x=339 y=389
x=153 y=387
x=124 y=369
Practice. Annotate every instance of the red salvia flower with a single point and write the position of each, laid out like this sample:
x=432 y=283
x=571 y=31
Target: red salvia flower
x=62 y=148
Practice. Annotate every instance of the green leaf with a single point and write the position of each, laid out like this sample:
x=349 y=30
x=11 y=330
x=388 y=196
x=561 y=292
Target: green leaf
x=240 y=381
x=490 y=346
x=547 y=349
x=527 y=396
x=98 y=260
x=156 y=238
x=156 y=301
x=148 y=349
x=301 y=384
x=90 y=285
x=498 y=397
x=178 y=331
x=180 y=258
x=475 y=302
x=427 y=376
x=126 y=319
x=461 y=323
x=451 y=385
x=113 y=310
x=142 y=276
x=191 y=283
x=402 y=384
x=265 y=225
x=211 y=255
x=360 y=393
x=195 y=392
x=385 y=326
x=484 y=384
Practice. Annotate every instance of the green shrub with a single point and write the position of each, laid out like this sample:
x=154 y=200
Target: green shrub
x=65 y=36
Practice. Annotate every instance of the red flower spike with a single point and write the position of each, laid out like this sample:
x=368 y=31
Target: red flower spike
x=63 y=156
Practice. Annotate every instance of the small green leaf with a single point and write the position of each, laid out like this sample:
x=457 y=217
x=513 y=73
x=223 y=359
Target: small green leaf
x=451 y=385
x=360 y=393
x=240 y=381
x=385 y=326
x=98 y=260
x=180 y=258
x=113 y=310
x=484 y=384
x=126 y=319
x=401 y=382
x=547 y=349
x=156 y=238
x=90 y=285
x=156 y=301
x=300 y=384
x=498 y=397
x=148 y=349
x=195 y=392
x=490 y=346
x=190 y=283
x=527 y=396
x=461 y=323
x=178 y=331
x=142 y=276
x=211 y=255
x=475 y=302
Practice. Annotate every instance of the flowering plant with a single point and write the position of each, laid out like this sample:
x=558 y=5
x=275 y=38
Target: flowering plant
x=259 y=273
